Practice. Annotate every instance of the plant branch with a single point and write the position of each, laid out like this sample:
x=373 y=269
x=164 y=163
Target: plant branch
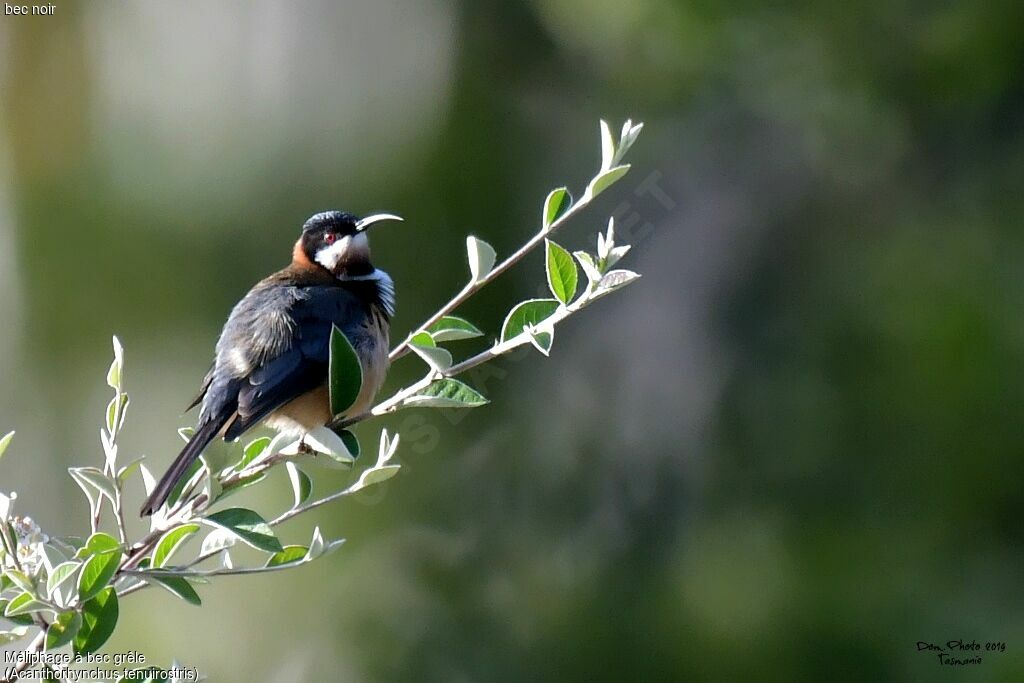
x=473 y=287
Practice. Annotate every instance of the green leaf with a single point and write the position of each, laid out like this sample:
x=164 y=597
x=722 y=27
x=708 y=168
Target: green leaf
x=20 y=619
x=301 y=484
x=63 y=630
x=447 y=393
x=607 y=146
x=99 y=542
x=316 y=544
x=114 y=374
x=16 y=633
x=530 y=312
x=481 y=258
x=113 y=408
x=18 y=579
x=562 y=273
x=5 y=442
x=423 y=339
x=247 y=526
x=589 y=266
x=436 y=357
x=217 y=540
x=127 y=470
x=329 y=443
x=290 y=554
x=350 y=441
x=52 y=555
x=253 y=450
x=557 y=203
x=25 y=603
x=450 y=328
x=606 y=179
x=179 y=587
x=94 y=477
x=542 y=339
x=61 y=573
x=170 y=542
x=99 y=617
x=345 y=372
x=630 y=133
x=97 y=573
x=378 y=474
x=615 y=279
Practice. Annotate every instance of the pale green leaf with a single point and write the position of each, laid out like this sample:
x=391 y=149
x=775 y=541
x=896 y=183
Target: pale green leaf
x=436 y=357
x=216 y=540
x=116 y=367
x=60 y=574
x=617 y=278
x=606 y=179
x=378 y=474
x=481 y=258
x=14 y=634
x=323 y=440
x=589 y=266
x=302 y=486
x=19 y=579
x=451 y=328
x=26 y=603
x=607 y=146
x=94 y=477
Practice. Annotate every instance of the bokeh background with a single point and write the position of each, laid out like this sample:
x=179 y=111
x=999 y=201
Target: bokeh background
x=790 y=452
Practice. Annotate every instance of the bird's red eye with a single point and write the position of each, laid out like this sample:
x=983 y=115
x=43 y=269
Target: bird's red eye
x=330 y=237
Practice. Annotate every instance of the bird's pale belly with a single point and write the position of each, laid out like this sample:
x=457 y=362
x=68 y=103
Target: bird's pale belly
x=313 y=409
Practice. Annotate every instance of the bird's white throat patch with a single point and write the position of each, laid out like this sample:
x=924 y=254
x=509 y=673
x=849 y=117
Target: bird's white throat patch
x=385 y=288
x=349 y=248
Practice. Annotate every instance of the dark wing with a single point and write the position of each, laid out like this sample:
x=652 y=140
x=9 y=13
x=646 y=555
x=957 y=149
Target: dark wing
x=302 y=366
x=202 y=391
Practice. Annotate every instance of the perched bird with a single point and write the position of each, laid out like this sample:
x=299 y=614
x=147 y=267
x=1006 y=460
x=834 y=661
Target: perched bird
x=272 y=355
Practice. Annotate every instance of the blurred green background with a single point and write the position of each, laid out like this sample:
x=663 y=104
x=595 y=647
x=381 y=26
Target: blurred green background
x=790 y=452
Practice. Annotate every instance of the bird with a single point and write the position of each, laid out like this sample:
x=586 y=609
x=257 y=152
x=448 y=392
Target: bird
x=271 y=360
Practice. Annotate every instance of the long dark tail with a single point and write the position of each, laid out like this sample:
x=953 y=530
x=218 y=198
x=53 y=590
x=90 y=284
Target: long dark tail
x=200 y=440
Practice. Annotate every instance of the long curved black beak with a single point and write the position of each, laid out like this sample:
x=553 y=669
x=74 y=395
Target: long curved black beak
x=364 y=223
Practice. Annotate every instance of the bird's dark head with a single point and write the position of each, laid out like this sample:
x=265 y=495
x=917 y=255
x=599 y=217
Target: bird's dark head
x=337 y=241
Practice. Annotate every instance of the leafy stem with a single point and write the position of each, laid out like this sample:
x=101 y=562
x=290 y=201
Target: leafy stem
x=80 y=582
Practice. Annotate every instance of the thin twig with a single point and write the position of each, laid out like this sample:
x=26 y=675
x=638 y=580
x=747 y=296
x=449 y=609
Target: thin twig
x=473 y=287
